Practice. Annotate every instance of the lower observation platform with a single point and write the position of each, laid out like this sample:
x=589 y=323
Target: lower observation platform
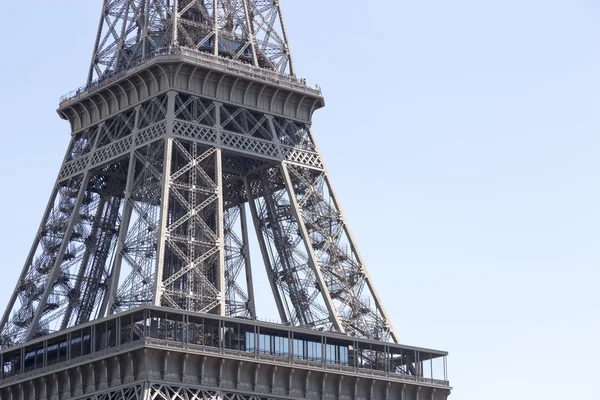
x=156 y=353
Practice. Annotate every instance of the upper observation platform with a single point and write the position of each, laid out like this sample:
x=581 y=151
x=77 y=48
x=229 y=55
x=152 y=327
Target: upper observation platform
x=175 y=53
x=195 y=72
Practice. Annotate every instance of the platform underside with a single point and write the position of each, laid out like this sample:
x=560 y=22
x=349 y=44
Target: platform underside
x=158 y=371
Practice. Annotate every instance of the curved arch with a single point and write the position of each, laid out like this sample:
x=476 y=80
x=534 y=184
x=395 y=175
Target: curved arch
x=134 y=90
x=219 y=85
x=204 y=82
x=149 y=71
x=260 y=95
x=63 y=115
x=125 y=96
x=114 y=97
x=165 y=74
x=286 y=101
x=99 y=94
x=312 y=109
x=143 y=81
x=76 y=116
x=233 y=87
x=176 y=75
x=191 y=77
x=246 y=92
x=86 y=113
x=273 y=98
x=299 y=105
x=95 y=106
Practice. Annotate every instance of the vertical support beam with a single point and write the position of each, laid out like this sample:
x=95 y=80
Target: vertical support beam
x=312 y=258
x=121 y=40
x=145 y=28
x=217 y=124
x=247 y=263
x=85 y=260
x=220 y=211
x=164 y=216
x=97 y=43
x=146 y=394
x=170 y=119
x=265 y=252
x=285 y=39
x=113 y=282
x=216 y=26
x=175 y=20
x=251 y=37
x=273 y=378
x=238 y=375
x=275 y=136
x=59 y=258
x=164 y=203
x=220 y=229
x=256 y=375
x=291 y=382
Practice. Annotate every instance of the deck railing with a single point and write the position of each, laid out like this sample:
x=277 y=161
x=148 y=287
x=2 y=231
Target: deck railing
x=200 y=57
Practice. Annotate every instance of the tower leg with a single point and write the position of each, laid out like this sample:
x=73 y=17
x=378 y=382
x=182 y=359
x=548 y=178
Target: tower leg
x=265 y=253
x=33 y=327
x=164 y=216
x=12 y=301
x=312 y=259
x=113 y=281
x=246 y=253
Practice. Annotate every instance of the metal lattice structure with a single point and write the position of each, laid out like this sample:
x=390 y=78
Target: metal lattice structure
x=251 y=31
x=192 y=137
x=192 y=130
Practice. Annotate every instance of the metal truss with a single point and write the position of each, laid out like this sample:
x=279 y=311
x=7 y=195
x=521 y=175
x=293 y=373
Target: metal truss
x=249 y=31
x=175 y=392
x=346 y=280
x=293 y=275
x=151 y=207
x=135 y=392
x=191 y=276
x=239 y=299
x=135 y=264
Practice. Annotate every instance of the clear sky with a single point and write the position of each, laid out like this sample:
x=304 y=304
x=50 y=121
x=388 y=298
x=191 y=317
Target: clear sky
x=462 y=138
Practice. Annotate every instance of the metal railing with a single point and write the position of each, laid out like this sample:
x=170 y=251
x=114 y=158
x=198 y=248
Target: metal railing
x=193 y=55
x=197 y=332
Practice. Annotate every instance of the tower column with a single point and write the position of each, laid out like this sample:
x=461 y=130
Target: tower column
x=33 y=327
x=220 y=229
x=164 y=216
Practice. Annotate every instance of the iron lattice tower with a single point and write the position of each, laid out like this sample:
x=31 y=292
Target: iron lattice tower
x=192 y=128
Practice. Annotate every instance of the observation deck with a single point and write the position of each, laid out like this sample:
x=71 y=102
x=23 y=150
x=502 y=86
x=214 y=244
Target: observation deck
x=145 y=348
x=186 y=70
x=219 y=63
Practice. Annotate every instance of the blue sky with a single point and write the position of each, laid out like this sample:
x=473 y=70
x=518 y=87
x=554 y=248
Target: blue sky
x=462 y=140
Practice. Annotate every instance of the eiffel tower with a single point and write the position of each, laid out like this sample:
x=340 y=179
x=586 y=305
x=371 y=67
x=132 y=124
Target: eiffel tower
x=192 y=133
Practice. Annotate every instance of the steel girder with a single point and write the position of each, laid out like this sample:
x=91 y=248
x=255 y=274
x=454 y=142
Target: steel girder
x=251 y=31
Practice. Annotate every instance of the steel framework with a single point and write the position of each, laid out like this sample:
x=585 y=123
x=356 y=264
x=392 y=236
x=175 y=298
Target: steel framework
x=251 y=31
x=192 y=129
